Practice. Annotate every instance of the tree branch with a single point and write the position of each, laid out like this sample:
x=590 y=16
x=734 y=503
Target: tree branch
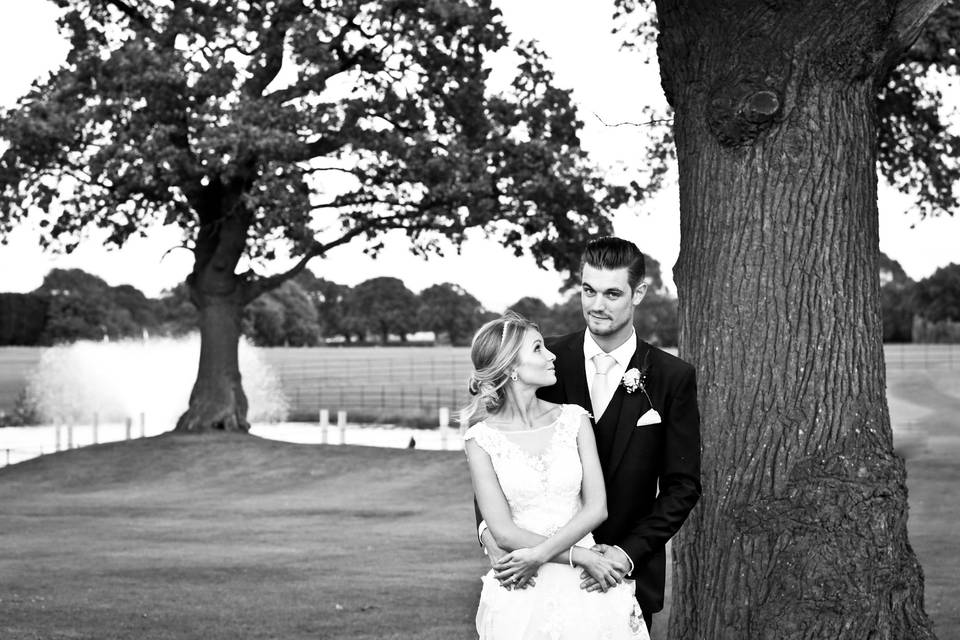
x=908 y=23
x=649 y=123
x=329 y=143
x=272 y=45
x=130 y=12
x=263 y=285
x=314 y=83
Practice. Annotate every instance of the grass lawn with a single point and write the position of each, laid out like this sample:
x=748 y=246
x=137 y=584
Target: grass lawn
x=235 y=537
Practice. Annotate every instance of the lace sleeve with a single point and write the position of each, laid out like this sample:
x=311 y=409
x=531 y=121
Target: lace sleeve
x=569 y=424
x=482 y=435
x=575 y=412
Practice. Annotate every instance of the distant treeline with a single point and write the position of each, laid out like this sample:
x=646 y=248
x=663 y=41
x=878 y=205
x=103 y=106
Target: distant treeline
x=306 y=311
x=74 y=305
x=919 y=311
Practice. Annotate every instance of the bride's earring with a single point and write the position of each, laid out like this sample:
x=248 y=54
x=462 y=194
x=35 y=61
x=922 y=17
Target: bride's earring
x=514 y=376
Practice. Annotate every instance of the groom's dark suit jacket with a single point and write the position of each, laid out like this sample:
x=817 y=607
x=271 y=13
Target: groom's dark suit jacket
x=636 y=460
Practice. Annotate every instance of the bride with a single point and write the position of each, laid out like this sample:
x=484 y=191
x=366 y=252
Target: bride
x=540 y=490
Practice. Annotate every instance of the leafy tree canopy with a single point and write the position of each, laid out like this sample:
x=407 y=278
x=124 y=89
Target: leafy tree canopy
x=448 y=308
x=328 y=298
x=891 y=271
x=285 y=316
x=918 y=137
x=382 y=306
x=937 y=298
x=297 y=123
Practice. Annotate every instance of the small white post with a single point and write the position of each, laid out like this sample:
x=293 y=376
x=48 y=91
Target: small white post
x=56 y=445
x=444 y=425
x=324 y=424
x=143 y=425
x=70 y=434
x=96 y=427
x=128 y=424
x=342 y=423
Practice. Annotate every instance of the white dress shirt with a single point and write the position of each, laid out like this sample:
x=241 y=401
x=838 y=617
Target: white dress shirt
x=621 y=354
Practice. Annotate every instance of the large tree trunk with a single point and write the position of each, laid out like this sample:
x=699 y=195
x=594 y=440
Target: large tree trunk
x=217 y=400
x=801 y=531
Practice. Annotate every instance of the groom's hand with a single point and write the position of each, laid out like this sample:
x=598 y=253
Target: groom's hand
x=617 y=558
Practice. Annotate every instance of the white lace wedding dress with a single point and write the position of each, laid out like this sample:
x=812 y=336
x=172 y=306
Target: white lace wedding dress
x=540 y=472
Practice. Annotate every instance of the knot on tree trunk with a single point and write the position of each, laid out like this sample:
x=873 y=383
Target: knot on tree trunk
x=737 y=113
x=835 y=550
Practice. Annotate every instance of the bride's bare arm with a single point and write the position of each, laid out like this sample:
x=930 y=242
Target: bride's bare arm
x=493 y=504
x=529 y=549
x=501 y=530
x=520 y=564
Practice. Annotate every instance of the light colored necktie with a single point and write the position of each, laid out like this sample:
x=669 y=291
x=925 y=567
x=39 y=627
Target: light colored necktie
x=601 y=389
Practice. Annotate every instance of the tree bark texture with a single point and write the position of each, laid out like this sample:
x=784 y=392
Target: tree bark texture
x=218 y=401
x=801 y=531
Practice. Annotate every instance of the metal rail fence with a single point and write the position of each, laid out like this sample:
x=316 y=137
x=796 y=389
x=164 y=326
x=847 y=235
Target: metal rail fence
x=377 y=384
x=381 y=384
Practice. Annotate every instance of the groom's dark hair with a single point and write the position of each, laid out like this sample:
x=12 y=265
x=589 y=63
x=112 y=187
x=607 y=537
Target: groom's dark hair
x=610 y=252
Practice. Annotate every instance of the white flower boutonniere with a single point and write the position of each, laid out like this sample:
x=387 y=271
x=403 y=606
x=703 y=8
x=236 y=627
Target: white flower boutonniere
x=631 y=380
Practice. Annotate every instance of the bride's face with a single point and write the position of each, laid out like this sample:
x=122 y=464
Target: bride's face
x=534 y=362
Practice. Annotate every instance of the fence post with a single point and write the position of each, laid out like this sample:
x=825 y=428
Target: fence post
x=70 y=434
x=96 y=427
x=128 y=424
x=324 y=424
x=56 y=444
x=444 y=419
x=143 y=425
x=342 y=424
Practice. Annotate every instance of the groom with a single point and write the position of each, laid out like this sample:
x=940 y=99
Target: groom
x=644 y=405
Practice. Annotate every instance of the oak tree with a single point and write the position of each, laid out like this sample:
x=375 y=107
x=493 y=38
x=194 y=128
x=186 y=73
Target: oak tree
x=270 y=127
x=783 y=112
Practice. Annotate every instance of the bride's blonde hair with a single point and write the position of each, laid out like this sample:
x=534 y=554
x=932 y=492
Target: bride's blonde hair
x=494 y=351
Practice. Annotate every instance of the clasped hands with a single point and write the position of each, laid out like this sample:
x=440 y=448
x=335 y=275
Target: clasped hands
x=603 y=566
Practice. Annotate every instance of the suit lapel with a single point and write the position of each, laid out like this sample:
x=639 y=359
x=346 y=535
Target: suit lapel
x=631 y=407
x=575 y=375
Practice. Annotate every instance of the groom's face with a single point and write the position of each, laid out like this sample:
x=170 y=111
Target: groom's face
x=608 y=301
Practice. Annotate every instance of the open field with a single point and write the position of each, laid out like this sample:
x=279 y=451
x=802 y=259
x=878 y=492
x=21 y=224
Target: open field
x=389 y=384
x=235 y=537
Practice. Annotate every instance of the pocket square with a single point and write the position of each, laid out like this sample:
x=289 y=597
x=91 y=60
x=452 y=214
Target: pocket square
x=650 y=417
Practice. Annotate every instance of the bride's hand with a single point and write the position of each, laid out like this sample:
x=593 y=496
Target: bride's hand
x=599 y=572
x=517 y=569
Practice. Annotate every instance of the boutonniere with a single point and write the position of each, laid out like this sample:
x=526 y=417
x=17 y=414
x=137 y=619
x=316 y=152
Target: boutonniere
x=631 y=380
x=635 y=378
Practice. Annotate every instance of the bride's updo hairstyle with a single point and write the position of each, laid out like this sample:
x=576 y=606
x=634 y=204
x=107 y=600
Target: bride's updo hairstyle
x=494 y=351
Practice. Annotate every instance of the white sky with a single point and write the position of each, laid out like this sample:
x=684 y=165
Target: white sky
x=585 y=57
